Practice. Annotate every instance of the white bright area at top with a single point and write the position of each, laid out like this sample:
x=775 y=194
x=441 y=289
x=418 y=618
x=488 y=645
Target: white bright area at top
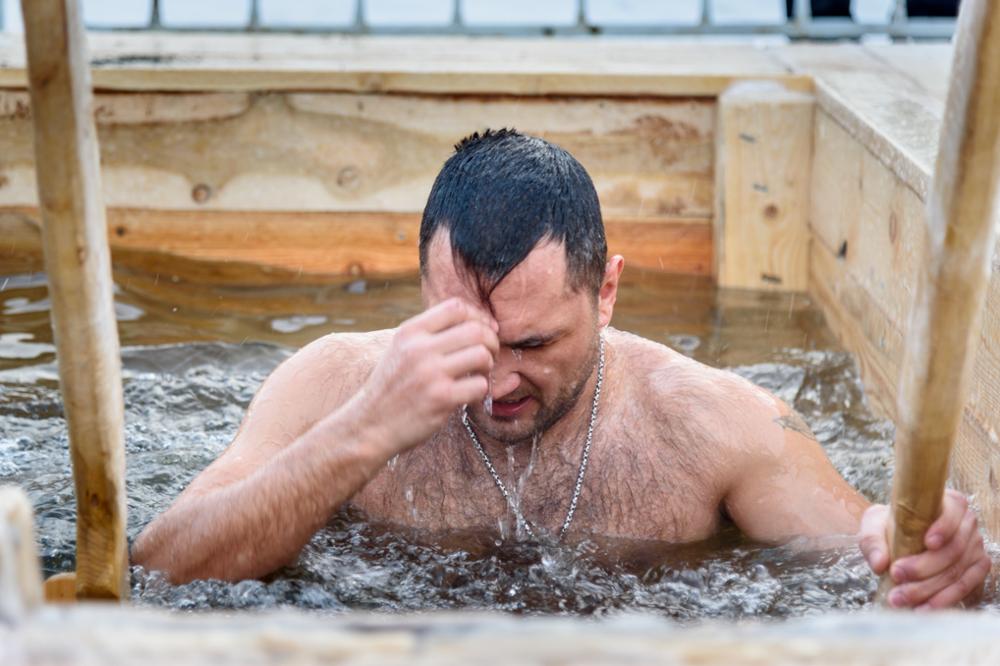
x=333 y=13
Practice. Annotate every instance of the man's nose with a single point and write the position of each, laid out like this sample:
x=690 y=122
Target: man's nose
x=506 y=377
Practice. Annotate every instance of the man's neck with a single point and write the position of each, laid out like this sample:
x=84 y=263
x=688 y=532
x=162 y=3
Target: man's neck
x=559 y=444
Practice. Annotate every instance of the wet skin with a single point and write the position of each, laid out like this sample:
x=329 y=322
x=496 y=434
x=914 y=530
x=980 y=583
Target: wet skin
x=372 y=420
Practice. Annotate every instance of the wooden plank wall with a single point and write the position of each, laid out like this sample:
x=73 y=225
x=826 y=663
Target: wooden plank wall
x=273 y=186
x=869 y=239
x=763 y=163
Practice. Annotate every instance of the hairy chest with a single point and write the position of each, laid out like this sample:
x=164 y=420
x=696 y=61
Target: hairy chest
x=636 y=486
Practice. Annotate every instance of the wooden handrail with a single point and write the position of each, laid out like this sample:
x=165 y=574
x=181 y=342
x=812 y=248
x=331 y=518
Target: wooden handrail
x=78 y=265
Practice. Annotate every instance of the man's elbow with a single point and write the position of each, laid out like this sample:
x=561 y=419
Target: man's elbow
x=155 y=550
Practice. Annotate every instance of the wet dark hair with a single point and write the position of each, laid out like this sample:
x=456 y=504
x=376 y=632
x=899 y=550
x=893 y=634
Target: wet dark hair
x=501 y=194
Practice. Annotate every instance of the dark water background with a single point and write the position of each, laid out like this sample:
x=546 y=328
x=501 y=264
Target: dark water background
x=191 y=366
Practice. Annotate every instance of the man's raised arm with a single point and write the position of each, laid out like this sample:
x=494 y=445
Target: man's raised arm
x=313 y=437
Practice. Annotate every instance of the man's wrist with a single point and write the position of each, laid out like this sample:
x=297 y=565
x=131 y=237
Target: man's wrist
x=352 y=430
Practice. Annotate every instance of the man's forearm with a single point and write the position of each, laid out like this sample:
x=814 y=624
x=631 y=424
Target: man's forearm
x=252 y=527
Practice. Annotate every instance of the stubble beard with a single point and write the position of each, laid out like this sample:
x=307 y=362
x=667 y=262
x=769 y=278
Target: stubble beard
x=546 y=416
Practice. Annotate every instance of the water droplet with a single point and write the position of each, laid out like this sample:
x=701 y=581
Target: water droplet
x=488 y=400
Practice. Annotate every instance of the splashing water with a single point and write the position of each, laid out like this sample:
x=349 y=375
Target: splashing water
x=184 y=402
x=488 y=400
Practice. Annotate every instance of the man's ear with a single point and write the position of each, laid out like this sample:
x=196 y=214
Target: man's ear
x=608 y=293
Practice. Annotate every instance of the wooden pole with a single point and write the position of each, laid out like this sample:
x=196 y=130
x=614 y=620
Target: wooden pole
x=944 y=328
x=78 y=265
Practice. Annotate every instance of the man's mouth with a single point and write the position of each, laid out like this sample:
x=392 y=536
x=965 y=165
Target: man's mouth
x=506 y=409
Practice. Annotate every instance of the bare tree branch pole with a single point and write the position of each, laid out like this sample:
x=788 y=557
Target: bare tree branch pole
x=77 y=261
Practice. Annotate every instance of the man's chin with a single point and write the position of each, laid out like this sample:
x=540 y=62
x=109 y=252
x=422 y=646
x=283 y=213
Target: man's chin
x=506 y=430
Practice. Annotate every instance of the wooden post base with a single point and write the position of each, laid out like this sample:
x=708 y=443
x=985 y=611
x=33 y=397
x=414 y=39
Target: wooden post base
x=61 y=588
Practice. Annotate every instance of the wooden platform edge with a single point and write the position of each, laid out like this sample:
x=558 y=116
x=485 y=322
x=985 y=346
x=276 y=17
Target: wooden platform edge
x=115 y=636
x=432 y=65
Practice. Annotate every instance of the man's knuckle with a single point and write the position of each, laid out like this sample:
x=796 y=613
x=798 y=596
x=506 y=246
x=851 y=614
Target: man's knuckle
x=456 y=306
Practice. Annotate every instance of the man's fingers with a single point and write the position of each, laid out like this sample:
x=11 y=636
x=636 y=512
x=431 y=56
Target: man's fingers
x=470 y=360
x=467 y=334
x=872 y=537
x=970 y=581
x=953 y=508
x=932 y=562
x=469 y=389
x=448 y=313
x=919 y=592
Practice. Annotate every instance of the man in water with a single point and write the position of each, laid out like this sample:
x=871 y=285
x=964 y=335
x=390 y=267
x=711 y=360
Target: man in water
x=617 y=437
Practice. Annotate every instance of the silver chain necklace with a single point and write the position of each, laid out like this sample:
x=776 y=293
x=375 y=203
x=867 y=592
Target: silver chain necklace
x=583 y=461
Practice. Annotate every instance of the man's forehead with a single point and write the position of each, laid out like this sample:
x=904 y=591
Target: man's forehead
x=534 y=286
x=543 y=269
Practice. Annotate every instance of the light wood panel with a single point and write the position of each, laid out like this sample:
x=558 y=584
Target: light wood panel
x=764 y=157
x=860 y=325
x=862 y=210
x=976 y=459
x=349 y=152
x=927 y=63
x=887 y=110
x=258 y=248
x=873 y=202
x=439 y=65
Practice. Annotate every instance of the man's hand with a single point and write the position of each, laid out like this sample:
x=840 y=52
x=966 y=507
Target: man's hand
x=952 y=568
x=437 y=361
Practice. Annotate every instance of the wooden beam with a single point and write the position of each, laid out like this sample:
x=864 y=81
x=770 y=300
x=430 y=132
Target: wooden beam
x=943 y=331
x=886 y=109
x=20 y=575
x=649 y=158
x=764 y=155
x=264 y=248
x=427 y=65
x=78 y=265
x=113 y=636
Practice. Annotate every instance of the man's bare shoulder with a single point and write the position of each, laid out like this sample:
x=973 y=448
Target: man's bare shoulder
x=673 y=387
x=345 y=351
x=324 y=373
x=347 y=358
